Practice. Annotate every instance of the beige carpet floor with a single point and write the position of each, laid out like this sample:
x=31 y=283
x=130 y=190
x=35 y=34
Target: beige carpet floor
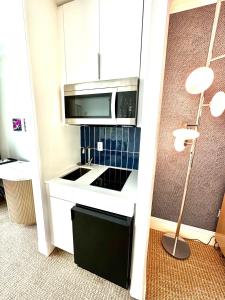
x=26 y=274
x=200 y=277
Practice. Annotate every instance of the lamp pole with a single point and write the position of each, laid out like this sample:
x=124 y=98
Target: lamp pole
x=172 y=242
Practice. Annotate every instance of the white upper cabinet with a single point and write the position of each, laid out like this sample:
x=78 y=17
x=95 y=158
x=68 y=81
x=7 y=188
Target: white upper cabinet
x=120 y=38
x=81 y=40
x=102 y=39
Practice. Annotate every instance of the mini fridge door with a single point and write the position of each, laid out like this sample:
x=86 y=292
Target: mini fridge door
x=103 y=243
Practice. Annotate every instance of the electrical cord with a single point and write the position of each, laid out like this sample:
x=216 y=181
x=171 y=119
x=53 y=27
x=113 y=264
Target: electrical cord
x=215 y=246
x=202 y=241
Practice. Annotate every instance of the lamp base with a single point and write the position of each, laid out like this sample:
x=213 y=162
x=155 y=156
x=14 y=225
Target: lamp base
x=177 y=247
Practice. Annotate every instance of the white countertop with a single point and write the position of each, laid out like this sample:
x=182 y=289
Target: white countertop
x=16 y=171
x=80 y=191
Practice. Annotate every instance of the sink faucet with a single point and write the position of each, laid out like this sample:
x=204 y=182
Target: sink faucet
x=89 y=162
x=89 y=159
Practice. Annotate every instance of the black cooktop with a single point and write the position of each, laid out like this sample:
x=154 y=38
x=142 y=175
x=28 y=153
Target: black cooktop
x=113 y=179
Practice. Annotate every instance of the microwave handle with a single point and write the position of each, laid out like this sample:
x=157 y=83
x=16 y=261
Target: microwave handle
x=113 y=104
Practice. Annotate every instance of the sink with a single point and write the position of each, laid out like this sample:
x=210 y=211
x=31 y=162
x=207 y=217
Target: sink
x=76 y=174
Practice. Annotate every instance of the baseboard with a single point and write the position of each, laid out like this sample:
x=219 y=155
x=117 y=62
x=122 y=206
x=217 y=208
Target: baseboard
x=186 y=231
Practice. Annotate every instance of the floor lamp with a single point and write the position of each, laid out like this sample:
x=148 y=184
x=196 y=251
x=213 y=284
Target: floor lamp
x=197 y=83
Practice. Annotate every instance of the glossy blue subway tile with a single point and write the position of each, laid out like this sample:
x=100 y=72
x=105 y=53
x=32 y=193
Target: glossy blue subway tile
x=130 y=160
x=87 y=136
x=136 y=161
x=119 y=139
x=114 y=140
x=92 y=137
x=86 y=155
x=113 y=145
x=102 y=157
x=124 y=159
x=102 y=136
x=96 y=157
x=137 y=139
x=82 y=136
x=113 y=158
x=82 y=157
x=107 y=158
x=96 y=132
x=92 y=155
x=125 y=139
x=131 y=139
x=118 y=159
x=108 y=138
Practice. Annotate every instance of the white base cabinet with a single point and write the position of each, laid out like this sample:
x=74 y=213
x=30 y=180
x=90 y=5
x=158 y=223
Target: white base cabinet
x=61 y=224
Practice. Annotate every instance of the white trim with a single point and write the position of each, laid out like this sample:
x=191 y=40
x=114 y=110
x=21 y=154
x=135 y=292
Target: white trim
x=43 y=230
x=178 y=5
x=186 y=231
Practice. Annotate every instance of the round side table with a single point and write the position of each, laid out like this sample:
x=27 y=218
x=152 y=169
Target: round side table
x=18 y=192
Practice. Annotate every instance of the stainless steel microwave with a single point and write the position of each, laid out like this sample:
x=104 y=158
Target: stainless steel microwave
x=105 y=102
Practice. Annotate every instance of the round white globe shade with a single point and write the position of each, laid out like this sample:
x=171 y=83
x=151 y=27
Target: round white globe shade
x=199 y=80
x=179 y=145
x=185 y=134
x=217 y=104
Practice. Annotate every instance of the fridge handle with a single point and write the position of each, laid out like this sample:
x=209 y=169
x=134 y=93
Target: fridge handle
x=103 y=215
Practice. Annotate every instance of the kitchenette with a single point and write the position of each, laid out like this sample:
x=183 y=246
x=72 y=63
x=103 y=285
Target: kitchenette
x=92 y=203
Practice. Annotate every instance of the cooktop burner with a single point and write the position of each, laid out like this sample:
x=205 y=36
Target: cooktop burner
x=113 y=179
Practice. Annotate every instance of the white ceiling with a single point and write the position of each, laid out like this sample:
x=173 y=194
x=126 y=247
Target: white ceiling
x=176 y=5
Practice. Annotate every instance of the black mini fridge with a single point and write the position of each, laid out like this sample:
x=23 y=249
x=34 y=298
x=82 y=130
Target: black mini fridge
x=103 y=243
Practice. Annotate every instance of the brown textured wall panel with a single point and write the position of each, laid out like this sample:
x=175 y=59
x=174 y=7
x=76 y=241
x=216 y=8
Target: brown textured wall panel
x=187 y=49
x=219 y=45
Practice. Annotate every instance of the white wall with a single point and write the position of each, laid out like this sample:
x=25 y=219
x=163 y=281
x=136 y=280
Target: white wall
x=155 y=29
x=57 y=145
x=14 y=82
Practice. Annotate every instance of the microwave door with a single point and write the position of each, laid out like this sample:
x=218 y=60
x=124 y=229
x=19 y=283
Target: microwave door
x=90 y=106
x=126 y=106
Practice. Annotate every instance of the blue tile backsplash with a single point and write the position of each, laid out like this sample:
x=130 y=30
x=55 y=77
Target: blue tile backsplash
x=120 y=145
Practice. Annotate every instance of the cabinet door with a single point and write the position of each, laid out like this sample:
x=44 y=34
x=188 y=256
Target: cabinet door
x=120 y=38
x=81 y=40
x=61 y=224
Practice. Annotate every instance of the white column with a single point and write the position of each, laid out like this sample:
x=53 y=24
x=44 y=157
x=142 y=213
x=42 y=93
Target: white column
x=156 y=15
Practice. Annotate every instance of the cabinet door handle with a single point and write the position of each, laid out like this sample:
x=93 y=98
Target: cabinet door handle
x=99 y=66
x=113 y=104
